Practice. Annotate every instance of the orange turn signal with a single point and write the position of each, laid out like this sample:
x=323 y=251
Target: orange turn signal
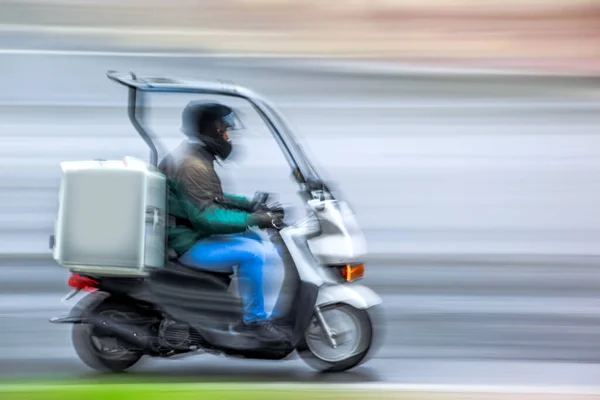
x=353 y=272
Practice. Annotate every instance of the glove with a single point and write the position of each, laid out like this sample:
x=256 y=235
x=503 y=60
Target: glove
x=263 y=220
x=277 y=210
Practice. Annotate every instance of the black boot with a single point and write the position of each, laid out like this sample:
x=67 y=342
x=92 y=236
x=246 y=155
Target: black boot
x=264 y=331
x=267 y=331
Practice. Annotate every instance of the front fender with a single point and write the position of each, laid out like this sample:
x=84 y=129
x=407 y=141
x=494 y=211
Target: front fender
x=357 y=296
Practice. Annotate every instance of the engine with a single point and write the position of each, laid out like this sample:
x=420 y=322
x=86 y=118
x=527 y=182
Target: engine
x=175 y=335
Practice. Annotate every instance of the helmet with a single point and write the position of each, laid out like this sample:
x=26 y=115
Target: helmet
x=208 y=122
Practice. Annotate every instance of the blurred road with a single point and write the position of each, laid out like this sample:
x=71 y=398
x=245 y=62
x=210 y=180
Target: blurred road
x=431 y=164
x=454 y=321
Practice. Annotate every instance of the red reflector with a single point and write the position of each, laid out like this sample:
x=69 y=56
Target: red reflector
x=76 y=281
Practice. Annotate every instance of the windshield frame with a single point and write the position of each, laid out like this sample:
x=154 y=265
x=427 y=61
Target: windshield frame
x=303 y=171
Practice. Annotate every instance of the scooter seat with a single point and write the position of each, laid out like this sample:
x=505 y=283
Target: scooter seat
x=218 y=278
x=179 y=267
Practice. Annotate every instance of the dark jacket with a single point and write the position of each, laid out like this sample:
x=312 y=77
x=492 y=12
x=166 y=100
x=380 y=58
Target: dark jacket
x=196 y=200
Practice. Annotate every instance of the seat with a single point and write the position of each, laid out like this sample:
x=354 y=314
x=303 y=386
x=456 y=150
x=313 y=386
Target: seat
x=218 y=278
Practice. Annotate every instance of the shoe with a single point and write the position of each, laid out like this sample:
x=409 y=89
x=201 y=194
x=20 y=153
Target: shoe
x=266 y=331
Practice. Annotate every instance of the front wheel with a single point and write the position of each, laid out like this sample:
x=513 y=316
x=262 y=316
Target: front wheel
x=353 y=332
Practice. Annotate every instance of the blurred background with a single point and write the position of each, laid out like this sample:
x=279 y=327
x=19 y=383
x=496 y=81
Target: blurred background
x=464 y=133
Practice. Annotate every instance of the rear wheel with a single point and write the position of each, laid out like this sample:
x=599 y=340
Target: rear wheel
x=104 y=353
x=351 y=328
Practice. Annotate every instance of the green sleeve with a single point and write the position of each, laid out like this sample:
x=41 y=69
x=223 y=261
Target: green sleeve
x=239 y=202
x=219 y=220
x=213 y=219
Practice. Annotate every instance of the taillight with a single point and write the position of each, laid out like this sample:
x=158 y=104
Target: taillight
x=79 y=282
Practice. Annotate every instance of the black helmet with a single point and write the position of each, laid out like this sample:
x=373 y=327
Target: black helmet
x=207 y=121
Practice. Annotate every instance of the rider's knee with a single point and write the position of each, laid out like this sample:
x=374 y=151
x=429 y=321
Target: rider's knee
x=255 y=250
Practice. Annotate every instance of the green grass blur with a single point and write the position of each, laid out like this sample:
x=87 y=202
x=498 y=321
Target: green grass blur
x=133 y=391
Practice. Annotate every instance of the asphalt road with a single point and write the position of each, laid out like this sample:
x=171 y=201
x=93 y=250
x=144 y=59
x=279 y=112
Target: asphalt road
x=460 y=321
x=438 y=165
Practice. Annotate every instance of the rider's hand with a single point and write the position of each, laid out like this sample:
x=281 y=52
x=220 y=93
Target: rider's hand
x=277 y=210
x=264 y=220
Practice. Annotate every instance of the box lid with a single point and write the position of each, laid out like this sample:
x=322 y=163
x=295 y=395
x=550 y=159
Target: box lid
x=127 y=162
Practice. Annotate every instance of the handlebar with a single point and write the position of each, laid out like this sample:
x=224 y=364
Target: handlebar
x=260 y=201
x=280 y=225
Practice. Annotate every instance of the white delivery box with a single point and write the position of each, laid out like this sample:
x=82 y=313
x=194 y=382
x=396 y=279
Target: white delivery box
x=111 y=218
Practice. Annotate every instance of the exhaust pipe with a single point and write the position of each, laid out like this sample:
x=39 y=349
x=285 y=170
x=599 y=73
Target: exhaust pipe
x=131 y=334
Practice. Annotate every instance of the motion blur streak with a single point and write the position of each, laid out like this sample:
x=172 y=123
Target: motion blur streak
x=477 y=192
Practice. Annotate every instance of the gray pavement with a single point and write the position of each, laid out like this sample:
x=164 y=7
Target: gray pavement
x=453 y=320
x=402 y=371
x=469 y=169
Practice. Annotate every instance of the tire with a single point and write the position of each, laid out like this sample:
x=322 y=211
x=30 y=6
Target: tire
x=363 y=323
x=83 y=336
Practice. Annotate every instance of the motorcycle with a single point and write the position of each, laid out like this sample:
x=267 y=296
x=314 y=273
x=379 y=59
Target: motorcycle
x=168 y=310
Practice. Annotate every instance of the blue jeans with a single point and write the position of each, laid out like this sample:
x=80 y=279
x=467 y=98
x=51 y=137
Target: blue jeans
x=222 y=254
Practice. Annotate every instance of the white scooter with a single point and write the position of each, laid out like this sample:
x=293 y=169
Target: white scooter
x=142 y=302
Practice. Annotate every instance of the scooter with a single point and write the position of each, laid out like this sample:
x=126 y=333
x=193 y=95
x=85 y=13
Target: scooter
x=333 y=323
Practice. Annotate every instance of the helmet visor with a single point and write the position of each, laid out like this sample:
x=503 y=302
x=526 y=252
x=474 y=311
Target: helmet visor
x=232 y=122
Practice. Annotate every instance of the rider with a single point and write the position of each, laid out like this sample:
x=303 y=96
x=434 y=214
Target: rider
x=210 y=230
